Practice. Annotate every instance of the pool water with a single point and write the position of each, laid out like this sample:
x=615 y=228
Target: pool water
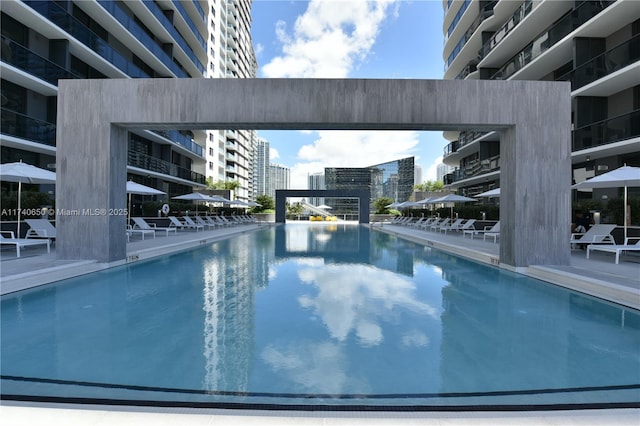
x=317 y=314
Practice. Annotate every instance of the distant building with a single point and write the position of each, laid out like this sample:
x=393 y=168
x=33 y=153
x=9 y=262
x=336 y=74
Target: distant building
x=316 y=181
x=262 y=173
x=442 y=170
x=417 y=177
x=279 y=178
x=394 y=180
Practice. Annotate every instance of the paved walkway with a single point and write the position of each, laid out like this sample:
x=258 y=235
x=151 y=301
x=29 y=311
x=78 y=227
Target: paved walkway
x=592 y=275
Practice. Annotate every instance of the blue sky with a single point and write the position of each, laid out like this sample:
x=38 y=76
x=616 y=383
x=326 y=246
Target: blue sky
x=349 y=39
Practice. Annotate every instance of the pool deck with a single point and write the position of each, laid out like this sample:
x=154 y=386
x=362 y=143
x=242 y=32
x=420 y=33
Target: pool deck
x=598 y=276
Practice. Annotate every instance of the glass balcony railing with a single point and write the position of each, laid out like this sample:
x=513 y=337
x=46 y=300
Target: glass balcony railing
x=451 y=148
x=458 y=16
x=556 y=32
x=80 y=32
x=607 y=131
x=32 y=63
x=487 y=12
x=25 y=127
x=123 y=18
x=154 y=164
x=502 y=32
x=604 y=64
x=183 y=140
x=476 y=168
x=168 y=25
x=190 y=23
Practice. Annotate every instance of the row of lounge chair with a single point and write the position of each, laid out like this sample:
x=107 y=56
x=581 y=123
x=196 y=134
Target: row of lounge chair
x=597 y=238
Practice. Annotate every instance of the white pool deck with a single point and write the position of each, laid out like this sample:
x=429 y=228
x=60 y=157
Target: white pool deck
x=598 y=276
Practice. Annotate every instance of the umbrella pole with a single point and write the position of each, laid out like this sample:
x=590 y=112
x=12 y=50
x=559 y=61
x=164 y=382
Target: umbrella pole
x=19 y=196
x=625 y=214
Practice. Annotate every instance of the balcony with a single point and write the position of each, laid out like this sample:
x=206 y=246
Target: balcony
x=487 y=12
x=555 y=33
x=604 y=64
x=607 y=131
x=29 y=128
x=28 y=61
x=168 y=25
x=473 y=169
x=502 y=32
x=84 y=35
x=189 y=21
x=182 y=140
x=154 y=164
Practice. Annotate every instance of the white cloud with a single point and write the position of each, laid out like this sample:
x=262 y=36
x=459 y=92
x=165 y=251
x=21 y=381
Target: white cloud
x=432 y=170
x=329 y=40
x=259 y=48
x=273 y=154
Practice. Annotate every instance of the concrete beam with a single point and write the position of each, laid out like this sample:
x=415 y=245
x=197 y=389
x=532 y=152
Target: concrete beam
x=534 y=117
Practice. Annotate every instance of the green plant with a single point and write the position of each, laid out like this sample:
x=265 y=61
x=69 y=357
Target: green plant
x=615 y=211
x=266 y=202
x=381 y=204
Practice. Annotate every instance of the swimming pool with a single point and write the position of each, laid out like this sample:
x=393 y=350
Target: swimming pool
x=314 y=316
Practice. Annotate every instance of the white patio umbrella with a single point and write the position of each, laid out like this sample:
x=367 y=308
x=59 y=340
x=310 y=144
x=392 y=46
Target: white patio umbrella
x=195 y=196
x=624 y=176
x=452 y=198
x=392 y=205
x=22 y=172
x=324 y=207
x=254 y=204
x=139 y=189
x=493 y=193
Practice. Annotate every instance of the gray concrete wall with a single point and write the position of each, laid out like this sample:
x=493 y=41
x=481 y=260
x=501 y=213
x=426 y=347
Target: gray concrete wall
x=534 y=118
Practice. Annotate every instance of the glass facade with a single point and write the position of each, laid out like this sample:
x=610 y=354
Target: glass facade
x=394 y=180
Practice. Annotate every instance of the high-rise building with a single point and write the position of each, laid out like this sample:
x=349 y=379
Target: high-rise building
x=417 y=176
x=279 y=178
x=393 y=179
x=262 y=169
x=442 y=170
x=231 y=153
x=595 y=45
x=44 y=41
x=316 y=181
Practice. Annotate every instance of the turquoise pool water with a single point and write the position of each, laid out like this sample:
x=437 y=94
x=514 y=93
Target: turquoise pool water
x=316 y=315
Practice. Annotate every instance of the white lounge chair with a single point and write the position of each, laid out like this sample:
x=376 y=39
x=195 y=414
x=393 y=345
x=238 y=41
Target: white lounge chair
x=436 y=226
x=487 y=229
x=40 y=228
x=22 y=242
x=597 y=234
x=142 y=232
x=616 y=248
x=140 y=223
x=468 y=225
x=191 y=224
x=453 y=225
x=201 y=221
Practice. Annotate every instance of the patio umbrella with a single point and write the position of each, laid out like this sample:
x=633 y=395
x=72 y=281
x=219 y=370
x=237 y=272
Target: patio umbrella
x=494 y=193
x=139 y=189
x=254 y=204
x=324 y=207
x=624 y=176
x=452 y=198
x=22 y=172
x=195 y=196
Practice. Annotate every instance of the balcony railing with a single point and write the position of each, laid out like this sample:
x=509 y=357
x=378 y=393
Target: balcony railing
x=458 y=16
x=524 y=9
x=607 y=131
x=123 y=18
x=476 y=168
x=32 y=63
x=190 y=23
x=183 y=140
x=556 y=32
x=604 y=64
x=486 y=12
x=177 y=36
x=29 y=128
x=79 y=31
x=154 y=164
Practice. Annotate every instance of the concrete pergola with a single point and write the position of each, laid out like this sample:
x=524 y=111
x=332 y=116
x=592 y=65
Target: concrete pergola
x=532 y=117
x=362 y=195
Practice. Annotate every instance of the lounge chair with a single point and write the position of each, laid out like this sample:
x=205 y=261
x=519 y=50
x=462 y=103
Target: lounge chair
x=468 y=225
x=40 y=228
x=417 y=223
x=191 y=224
x=436 y=226
x=597 y=234
x=616 y=248
x=492 y=230
x=201 y=221
x=22 y=242
x=177 y=224
x=142 y=232
x=453 y=225
x=140 y=223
